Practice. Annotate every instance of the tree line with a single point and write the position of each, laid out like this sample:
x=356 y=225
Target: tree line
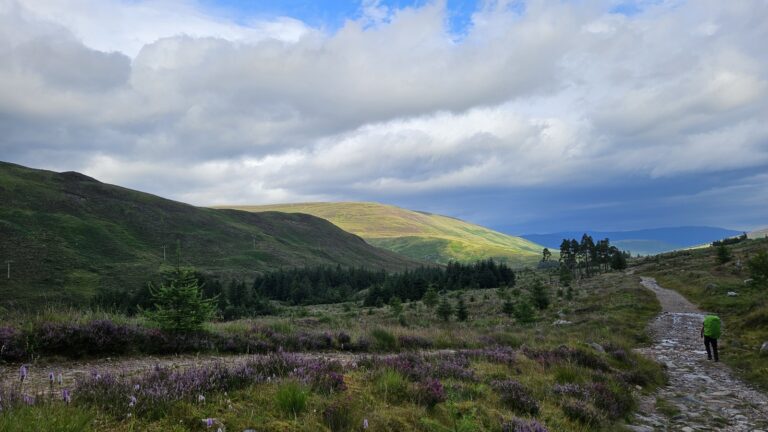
x=585 y=258
x=322 y=284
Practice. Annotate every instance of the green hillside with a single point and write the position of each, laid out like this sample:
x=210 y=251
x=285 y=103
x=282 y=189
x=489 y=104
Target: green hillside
x=69 y=235
x=418 y=235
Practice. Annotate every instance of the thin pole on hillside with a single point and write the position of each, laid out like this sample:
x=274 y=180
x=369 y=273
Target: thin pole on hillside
x=9 y=269
x=164 y=246
x=254 y=242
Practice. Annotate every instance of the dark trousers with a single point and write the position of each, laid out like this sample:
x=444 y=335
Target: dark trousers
x=713 y=342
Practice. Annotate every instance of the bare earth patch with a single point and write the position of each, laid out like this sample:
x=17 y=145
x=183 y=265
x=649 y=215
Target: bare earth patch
x=701 y=395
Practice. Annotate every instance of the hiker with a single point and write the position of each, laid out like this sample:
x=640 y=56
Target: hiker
x=710 y=331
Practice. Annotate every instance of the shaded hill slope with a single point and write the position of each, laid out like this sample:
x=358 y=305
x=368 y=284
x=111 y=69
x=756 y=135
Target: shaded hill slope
x=418 y=235
x=69 y=235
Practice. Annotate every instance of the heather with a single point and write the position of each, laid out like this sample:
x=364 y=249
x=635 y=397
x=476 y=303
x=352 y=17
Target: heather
x=338 y=367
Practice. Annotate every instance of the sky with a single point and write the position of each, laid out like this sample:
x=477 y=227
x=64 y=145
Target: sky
x=524 y=116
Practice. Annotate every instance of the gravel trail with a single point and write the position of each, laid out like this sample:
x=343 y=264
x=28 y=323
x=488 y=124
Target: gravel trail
x=701 y=395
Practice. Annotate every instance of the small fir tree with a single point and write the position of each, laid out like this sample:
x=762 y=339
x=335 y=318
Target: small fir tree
x=539 y=295
x=430 y=298
x=179 y=305
x=444 y=309
x=508 y=307
x=524 y=312
x=461 y=310
x=395 y=306
x=723 y=254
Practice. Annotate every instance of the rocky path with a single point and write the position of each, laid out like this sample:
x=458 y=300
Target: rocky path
x=701 y=395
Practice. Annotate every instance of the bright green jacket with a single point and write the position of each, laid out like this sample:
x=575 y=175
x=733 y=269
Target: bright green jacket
x=712 y=326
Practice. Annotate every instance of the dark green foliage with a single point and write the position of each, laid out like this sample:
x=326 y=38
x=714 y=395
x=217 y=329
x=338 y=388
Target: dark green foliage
x=723 y=254
x=758 y=267
x=430 y=298
x=444 y=309
x=462 y=314
x=179 y=305
x=524 y=312
x=339 y=415
x=508 y=307
x=539 y=295
x=618 y=262
x=395 y=306
x=383 y=340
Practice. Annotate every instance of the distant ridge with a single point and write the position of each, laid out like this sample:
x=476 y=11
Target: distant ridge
x=416 y=234
x=644 y=242
x=69 y=236
x=756 y=234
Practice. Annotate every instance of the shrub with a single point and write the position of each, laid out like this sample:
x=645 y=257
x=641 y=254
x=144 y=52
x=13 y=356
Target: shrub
x=383 y=340
x=430 y=393
x=413 y=342
x=615 y=400
x=520 y=425
x=291 y=398
x=758 y=267
x=12 y=345
x=444 y=309
x=524 y=313
x=581 y=411
x=516 y=396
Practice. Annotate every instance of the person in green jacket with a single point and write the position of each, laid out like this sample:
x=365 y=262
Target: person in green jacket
x=710 y=331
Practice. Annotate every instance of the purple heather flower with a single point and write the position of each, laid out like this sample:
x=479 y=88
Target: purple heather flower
x=136 y=387
x=133 y=402
x=201 y=398
x=51 y=377
x=208 y=422
x=61 y=379
x=66 y=396
x=23 y=372
x=29 y=400
x=365 y=423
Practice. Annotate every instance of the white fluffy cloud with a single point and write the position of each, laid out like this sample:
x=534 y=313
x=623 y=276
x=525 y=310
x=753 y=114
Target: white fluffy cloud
x=170 y=98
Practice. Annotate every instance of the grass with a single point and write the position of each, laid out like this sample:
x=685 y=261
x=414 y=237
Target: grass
x=418 y=235
x=70 y=236
x=610 y=310
x=698 y=276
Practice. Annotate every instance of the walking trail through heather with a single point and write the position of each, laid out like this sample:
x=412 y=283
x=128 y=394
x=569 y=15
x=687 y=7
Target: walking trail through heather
x=707 y=394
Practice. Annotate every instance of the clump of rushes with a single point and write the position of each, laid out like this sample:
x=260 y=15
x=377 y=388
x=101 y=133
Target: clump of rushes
x=383 y=340
x=291 y=398
x=516 y=396
x=391 y=385
x=581 y=411
x=339 y=415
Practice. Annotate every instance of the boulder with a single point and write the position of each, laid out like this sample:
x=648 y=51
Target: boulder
x=764 y=348
x=732 y=294
x=561 y=322
x=747 y=281
x=597 y=347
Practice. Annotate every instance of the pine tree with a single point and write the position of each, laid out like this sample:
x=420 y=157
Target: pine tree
x=524 y=313
x=444 y=309
x=723 y=254
x=179 y=305
x=539 y=295
x=430 y=298
x=395 y=306
x=461 y=310
x=508 y=307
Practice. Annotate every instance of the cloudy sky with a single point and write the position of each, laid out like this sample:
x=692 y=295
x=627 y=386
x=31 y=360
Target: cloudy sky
x=525 y=116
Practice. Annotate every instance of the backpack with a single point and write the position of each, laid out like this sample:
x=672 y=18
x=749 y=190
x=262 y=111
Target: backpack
x=712 y=326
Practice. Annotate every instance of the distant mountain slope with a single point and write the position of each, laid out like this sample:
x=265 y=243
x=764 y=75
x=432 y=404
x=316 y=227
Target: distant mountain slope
x=643 y=242
x=68 y=235
x=418 y=235
x=756 y=234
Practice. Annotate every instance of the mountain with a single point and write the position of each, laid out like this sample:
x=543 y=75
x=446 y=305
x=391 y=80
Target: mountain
x=643 y=242
x=68 y=235
x=418 y=235
x=756 y=234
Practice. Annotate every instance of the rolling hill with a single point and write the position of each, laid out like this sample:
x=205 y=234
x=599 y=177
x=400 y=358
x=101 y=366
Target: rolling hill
x=643 y=242
x=68 y=235
x=418 y=235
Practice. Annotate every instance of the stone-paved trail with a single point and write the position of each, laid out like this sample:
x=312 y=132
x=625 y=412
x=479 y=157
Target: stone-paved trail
x=706 y=394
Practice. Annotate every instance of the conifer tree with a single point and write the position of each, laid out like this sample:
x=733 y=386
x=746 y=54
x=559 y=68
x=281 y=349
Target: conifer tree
x=179 y=305
x=444 y=309
x=539 y=295
x=461 y=310
x=430 y=298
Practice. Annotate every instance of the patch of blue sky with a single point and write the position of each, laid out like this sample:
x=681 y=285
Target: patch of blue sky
x=330 y=15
